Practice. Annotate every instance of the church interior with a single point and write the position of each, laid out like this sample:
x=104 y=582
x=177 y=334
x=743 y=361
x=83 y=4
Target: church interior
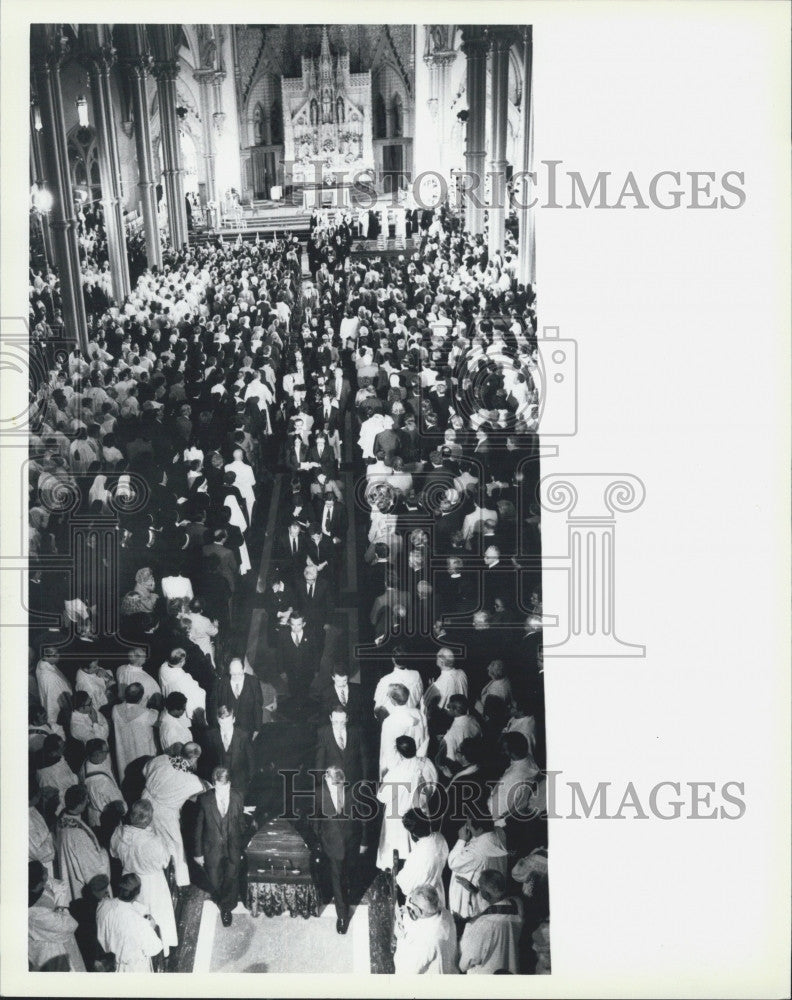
x=286 y=697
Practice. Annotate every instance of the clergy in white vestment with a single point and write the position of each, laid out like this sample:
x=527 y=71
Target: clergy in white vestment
x=41 y=846
x=94 y=680
x=170 y=781
x=173 y=677
x=80 y=856
x=401 y=721
x=134 y=673
x=141 y=851
x=133 y=724
x=411 y=679
x=97 y=776
x=50 y=925
x=86 y=723
x=463 y=727
x=55 y=692
x=174 y=726
x=490 y=939
x=245 y=480
x=125 y=927
x=451 y=681
x=53 y=771
x=426 y=861
x=512 y=795
x=426 y=941
x=521 y=722
x=478 y=848
x=408 y=785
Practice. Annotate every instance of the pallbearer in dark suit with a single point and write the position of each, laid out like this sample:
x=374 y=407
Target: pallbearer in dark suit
x=338 y=691
x=299 y=659
x=219 y=841
x=340 y=837
x=241 y=692
x=341 y=745
x=228 y=746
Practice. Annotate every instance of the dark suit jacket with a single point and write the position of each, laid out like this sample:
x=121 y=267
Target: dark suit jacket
x=298 y=662
x=325 y=551
x=338 y=834
x=247 y=708
x=328 y=698
x=238 y=758
x=317 y=608
x=228 y=564
x=282 y=550
x=339 y=522
x=352 y=760
x=327 y=460
x=209 y=840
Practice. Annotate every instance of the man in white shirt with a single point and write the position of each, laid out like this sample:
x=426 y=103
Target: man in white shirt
x=425 y=936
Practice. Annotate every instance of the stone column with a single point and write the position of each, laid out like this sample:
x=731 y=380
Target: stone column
x=39 y=177
x=474 y=45
x=440 y=63
x=48 y=49
x=501 y=40
x=205 y=83
x=138 y=67
x=99 y=57
x=526 y=259
x=166 y=69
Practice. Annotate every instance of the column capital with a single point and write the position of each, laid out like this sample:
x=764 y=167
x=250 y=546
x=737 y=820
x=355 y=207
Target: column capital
x=474 y=40
x=138 y=66
x=165 y=69
x=49 y=47
x=100 y=59
x=501 y=37
x=442 y=57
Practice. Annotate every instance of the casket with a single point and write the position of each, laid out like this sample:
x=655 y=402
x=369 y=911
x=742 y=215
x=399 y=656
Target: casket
x=279 y=871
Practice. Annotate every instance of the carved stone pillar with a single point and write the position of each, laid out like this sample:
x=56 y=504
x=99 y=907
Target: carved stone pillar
x=474 y=45
x=166 y=69
x=205 y=81
x=39 y=177
x=138 y=67
x=526 y=259
x=98 y=58
x=47 y=50
x=501 y=41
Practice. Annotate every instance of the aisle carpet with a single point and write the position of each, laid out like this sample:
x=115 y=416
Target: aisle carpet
x=282 y=944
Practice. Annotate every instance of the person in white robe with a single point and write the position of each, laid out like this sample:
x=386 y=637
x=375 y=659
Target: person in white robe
x=141 y=851
x=478 y=848
x=55 y=692
x=86 y=723
x=80 y=856
x=202 y=629
x=245 y=480
x=426 y=941
x=521 y=722
x=134 y=673
x=41 y=846
x=54 y=772
x=125 y=927
x=97 y=776
x=400 y=721
x=411 y=679
x=174 y=726
x=498 y=686
x=426 y=861
x=408 y=785
x=50 y=925
x=173 y=677
x=490 y=939
x=94 y=680
x=133 y=724
x=464 y=726
x=450 y=681
x=170 y=781
x=512 y=795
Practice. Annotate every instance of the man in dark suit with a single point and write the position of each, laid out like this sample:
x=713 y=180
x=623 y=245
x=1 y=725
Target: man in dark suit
x=321 y=551
x=315 y=599
x=227 y=562
x=228 y=746
x=322 y=455
x=331 y=516
x=340 y=744
x=298 y=658
x=338 y=691
x=340 y=837
x=289 y=550
x=241 y=692
x=219 y=841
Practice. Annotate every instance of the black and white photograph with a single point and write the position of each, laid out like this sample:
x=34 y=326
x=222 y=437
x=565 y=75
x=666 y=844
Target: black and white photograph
x=336 y=356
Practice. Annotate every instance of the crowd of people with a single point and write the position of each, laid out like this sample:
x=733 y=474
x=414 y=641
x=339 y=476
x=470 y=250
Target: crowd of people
x=396 y=398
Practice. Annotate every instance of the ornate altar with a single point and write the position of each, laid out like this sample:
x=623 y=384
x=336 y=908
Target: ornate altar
x=327 y=119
